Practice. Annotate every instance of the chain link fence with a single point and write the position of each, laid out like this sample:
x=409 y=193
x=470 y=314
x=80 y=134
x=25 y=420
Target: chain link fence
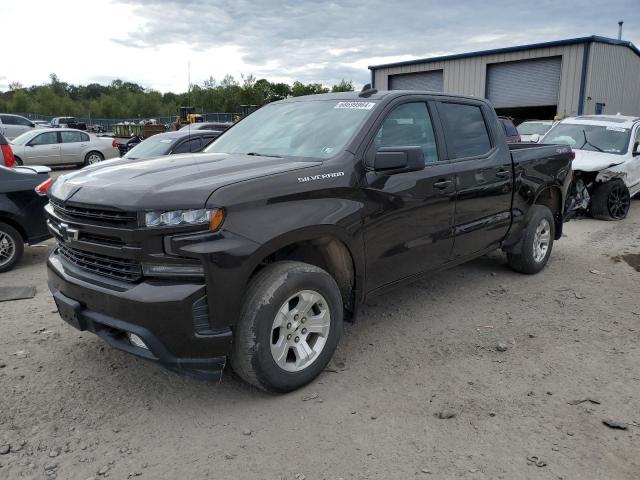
x=108 y=123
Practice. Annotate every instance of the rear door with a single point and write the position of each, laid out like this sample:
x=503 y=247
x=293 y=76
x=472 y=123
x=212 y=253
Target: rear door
x=43 y=149
x=73 y=146
x=479 y=155
x=408 y=218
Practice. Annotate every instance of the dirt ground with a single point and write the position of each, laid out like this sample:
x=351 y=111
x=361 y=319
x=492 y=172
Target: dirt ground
x=74 y=408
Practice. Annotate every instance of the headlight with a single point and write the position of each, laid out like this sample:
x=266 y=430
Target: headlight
x=201 y=216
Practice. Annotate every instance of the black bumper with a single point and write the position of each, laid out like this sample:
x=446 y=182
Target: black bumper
x=159 y=312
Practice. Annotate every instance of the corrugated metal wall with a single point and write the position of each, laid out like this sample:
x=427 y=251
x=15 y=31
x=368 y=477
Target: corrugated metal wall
x=613 y=78
x=467 y=76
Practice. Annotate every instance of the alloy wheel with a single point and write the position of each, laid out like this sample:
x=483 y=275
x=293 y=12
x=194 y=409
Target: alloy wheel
x=7 y=248
x=541 y=240
x=619 y=202
x=300 y=330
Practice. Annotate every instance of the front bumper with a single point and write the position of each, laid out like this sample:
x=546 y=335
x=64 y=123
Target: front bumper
x=163 y=314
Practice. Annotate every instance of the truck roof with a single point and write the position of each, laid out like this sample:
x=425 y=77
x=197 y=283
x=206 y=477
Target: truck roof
x=379 y=95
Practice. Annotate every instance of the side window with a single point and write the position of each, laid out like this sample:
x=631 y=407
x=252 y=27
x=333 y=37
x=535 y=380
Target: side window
x=48 y=138
x=8 y=120
x=84 y=137
x=409 y=125
x=509 y=128
x=188 y=146
x=466 y=131
x=71 y=137
x=23 y=122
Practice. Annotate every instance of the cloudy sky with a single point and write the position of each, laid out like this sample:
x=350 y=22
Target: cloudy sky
x=151 y=42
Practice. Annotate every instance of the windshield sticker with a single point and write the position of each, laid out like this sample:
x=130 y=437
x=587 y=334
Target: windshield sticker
x=617 y=129
x=355 y=105
x=322 y=176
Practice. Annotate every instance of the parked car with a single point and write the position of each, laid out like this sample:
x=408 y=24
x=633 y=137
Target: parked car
x=22 y=219
x=67 y=122
x=534 y=130
x=607 y=163
x=61 y=146
x=253 y=252
x=216 y=126
x=126 y=144
x=171 y=143
x=510 y=130
x=12 y=126
x=7 y=159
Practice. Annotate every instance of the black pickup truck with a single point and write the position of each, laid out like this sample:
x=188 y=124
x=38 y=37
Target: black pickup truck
x=255 y=251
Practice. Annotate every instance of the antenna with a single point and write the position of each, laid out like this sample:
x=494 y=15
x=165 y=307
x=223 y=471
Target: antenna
x=367 y=91
x=189 y=96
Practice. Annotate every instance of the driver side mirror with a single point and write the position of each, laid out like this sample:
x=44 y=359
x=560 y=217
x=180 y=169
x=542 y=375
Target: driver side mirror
x=392 y=160
x=636 y=149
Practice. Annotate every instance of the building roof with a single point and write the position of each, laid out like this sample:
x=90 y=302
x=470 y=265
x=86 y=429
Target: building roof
x=556 y=43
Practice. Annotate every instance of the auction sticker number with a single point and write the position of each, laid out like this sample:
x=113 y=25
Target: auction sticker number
x=355 y=105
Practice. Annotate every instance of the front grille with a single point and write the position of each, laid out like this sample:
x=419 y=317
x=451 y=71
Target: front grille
x=118 y=268
x=109 y=216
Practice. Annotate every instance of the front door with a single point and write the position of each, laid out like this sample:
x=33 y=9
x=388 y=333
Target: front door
x=43 y=149
x=483 y=175
x=408 y=220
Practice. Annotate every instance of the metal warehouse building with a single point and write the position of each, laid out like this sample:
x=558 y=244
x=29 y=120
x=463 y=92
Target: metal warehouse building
x=568 y=77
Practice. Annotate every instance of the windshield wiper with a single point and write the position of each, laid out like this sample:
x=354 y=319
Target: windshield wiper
x=587 y=142
x=254 y=154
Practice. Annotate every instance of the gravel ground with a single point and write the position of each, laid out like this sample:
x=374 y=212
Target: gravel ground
x=74 y=408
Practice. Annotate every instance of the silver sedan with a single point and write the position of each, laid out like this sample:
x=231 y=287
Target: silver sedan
x=61 y=146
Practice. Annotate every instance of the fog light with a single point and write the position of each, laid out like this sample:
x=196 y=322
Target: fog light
x=136 y=341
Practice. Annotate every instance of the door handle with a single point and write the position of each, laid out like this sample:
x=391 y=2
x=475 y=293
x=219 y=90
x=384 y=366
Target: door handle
x=442 y=184
x=503 y=174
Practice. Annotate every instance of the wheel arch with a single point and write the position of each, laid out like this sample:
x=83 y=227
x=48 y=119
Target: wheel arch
x=326 y=247
x=9 y=220
x=551 y=197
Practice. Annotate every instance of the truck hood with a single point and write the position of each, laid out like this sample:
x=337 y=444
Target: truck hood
x=588 y=161
x=170 y=182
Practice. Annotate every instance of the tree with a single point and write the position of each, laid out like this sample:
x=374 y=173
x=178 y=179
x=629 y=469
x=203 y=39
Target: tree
x=343 y=86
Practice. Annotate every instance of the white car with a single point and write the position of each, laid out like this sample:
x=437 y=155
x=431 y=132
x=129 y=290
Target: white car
x=534 y=130
x=607 y=164
x=61 y=146
x=12 y=126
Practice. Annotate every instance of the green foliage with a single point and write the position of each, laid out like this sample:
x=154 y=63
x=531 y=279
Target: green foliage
x=129 y=100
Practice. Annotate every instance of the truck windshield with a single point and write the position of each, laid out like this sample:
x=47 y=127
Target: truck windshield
x=531 y=128
x=316 y=129
x=596 y=138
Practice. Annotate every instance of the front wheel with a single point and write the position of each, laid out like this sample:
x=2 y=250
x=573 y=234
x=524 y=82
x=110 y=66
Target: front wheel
x=93 y=157
x=289 y=326
x=11 y=247
x=610 y=200
x=537 y=242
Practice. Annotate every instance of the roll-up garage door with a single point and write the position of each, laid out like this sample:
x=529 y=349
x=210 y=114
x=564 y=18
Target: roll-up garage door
x=431 y=81
x=525 y=83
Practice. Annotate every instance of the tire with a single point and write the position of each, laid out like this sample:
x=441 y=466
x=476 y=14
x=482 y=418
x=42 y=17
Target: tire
x=610 y=200
x=11 y=247
x=536 y=244
x=93 y=157
x=258 y=341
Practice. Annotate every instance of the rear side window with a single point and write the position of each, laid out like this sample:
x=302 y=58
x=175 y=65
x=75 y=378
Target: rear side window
x=71 y=137
x=466 y=130
x=409 y=125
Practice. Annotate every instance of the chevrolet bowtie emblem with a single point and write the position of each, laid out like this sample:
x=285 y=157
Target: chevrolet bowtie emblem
x=68 y=233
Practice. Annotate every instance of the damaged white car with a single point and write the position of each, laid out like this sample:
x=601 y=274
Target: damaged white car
x=607 y=163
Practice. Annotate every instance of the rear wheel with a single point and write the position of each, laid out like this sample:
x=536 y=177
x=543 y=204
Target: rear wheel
x=537 y=242
x=11 y=247
x=93 y=157
x=610 y=200
x=289 y=327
